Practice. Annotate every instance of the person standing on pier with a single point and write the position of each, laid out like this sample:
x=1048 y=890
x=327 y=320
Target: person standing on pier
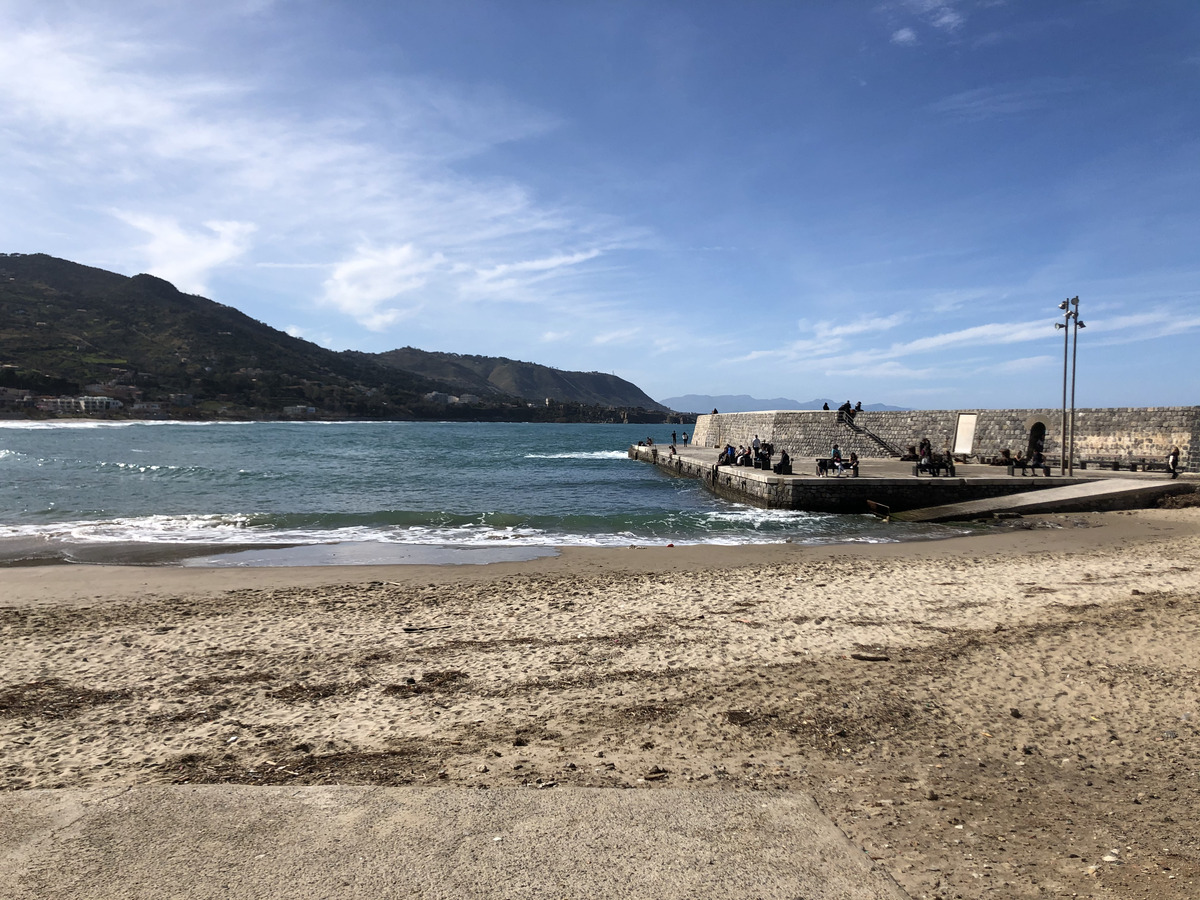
x=685 y=439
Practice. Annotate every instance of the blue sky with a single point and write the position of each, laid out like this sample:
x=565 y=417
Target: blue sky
x=879 y=201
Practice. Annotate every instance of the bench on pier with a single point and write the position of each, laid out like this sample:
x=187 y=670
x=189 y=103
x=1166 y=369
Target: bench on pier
x=825 y=465
x=1028 y=467
x=936 y=467
x=1117 y=464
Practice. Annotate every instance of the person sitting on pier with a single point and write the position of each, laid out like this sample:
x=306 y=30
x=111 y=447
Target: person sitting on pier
x=743 y=456
x=784 y=466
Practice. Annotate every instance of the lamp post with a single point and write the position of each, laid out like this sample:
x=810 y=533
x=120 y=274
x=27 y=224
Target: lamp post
x=1070 y=316
x=1078 y=323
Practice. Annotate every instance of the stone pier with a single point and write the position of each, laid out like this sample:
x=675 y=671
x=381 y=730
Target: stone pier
x=889 y=486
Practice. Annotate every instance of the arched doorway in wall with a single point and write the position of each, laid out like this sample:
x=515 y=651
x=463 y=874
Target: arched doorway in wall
x=1037 y=437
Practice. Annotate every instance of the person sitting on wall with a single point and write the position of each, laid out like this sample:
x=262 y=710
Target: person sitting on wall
x=858 y=406
x=852 y=465
x=825 y=407
x=784 y=466
x=742 y=456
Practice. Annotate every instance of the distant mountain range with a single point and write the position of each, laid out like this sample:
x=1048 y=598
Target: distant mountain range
x=67 y=329
x=491 y=374
x=703 y=403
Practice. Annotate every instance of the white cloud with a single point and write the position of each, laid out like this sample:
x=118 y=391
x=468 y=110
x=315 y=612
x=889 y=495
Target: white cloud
x=112 y=111
x=362 y=285
x=186 y=257
x=947 y=19
x=905 y=37
x=828 y=331
x=618 y=335
x=539 y=265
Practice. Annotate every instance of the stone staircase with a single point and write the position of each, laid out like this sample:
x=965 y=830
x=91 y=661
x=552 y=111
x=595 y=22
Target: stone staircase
x=886 y=449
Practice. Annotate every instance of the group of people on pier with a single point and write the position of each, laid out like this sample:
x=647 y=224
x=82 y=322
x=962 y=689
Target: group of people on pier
x=758 y=454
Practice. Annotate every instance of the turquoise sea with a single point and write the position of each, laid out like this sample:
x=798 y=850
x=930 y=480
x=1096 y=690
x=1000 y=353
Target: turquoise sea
x=369 y=492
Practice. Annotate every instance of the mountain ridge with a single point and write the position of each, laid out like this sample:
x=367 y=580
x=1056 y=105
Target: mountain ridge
x=66 y=327
x=701 y=403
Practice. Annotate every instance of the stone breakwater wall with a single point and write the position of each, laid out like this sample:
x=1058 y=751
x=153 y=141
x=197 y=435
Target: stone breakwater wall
x=1124 y=435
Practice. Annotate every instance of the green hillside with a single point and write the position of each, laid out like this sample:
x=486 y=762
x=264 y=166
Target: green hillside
x=489 y=374
x=65 y=327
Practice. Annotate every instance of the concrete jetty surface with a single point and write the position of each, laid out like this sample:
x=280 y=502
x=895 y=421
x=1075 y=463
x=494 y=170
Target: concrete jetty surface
x=1092 y=496
x=889 y=486
x=237 y=843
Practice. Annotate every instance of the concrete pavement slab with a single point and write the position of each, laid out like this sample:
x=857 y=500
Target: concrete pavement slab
x=239 y=842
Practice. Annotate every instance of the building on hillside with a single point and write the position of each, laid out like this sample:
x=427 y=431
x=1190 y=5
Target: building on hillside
x=98 y=404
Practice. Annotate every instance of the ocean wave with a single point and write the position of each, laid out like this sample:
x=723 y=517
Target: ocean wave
x=581 y=454
x=264 y=529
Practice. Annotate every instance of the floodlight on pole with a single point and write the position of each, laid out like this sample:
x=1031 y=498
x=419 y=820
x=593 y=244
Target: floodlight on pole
x=1074 y=353
x=1065 y=306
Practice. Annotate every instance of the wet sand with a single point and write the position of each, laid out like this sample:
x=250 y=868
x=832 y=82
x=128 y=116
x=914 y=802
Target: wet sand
x=996 y=713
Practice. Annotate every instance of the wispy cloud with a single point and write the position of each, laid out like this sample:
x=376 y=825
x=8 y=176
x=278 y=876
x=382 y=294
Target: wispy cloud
x=620 y=334
x=1004 y=100
x=940 y=15
x=186 y=256
x=363 y=285
x=374 y=188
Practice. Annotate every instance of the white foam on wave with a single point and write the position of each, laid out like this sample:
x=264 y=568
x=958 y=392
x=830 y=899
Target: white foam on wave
x=86 y=424
x=229 y=529
x=581 y=454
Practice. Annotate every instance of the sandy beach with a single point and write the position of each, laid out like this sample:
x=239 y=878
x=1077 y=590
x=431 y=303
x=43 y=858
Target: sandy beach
x=1012 y=714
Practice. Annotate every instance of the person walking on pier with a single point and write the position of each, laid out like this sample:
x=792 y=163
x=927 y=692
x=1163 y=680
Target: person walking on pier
x=1173 y=462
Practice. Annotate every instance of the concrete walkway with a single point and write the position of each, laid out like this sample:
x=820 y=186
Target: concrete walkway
x=1094 y=496
x=232 y=842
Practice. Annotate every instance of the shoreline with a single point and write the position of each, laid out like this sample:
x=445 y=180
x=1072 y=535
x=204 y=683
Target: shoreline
x=970 y=711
